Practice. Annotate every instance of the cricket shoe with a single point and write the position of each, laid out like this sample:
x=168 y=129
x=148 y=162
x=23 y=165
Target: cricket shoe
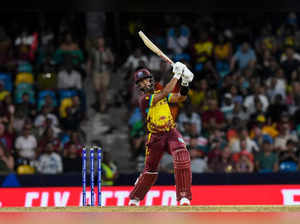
x=134 y=202
x=185 y=201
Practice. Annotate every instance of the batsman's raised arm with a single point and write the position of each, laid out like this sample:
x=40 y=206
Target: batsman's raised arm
x=186 y=77
x=178 y=69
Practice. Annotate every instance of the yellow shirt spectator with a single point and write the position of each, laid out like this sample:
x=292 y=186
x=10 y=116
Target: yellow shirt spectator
x=24 y=77
x=270 y=130
x=67 y=102
x=222 y=52
x=203 y=48
x=196 y=97
x=3 y=94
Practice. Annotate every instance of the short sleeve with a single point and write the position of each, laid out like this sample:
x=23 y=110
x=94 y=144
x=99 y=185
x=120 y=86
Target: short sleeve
x=170 y=96
x=145 y=102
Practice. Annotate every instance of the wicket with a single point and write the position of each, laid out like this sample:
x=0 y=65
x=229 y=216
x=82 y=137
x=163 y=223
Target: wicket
x=84 y=171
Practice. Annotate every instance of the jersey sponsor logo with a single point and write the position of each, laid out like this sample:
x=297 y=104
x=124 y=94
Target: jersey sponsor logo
x=158 y=195
x=162 y=118
x=181 y=140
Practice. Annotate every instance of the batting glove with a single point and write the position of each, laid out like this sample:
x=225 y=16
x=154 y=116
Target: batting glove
x=178 y=69
x=187 y=75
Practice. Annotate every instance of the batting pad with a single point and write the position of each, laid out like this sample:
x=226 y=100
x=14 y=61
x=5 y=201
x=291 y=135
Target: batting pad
x=183 y=174
x=143 y=185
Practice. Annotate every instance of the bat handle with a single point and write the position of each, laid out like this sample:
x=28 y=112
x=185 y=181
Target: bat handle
x=166 y=59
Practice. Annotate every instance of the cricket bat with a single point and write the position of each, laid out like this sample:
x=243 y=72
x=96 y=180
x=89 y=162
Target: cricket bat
x=154 y=48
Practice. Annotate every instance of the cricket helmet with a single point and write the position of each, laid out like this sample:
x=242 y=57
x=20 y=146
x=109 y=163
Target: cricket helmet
x=143 y=74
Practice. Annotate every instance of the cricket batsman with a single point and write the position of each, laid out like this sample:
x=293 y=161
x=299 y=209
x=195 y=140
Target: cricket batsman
x=162 y=134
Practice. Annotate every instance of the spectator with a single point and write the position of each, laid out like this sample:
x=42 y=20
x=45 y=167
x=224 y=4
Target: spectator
x=26 y=45
x=284 y=135
x=244 y=56
x=258 y=95
x=198 y=158
x=267 y=126
x=162 y=74
x=49 y=103
x=243 y=136
x=289 y=158
x=265 y=62
x=216 y=138
x=71 y=159
x=74 y=115
x=49 y=162
x=220 y=161
x=265 y=89
x=292 y=19
x=293 y=98
x=259 y=136
x=257 y=112
x=49 y=136
x=245 y=162
x=276 y=109
x=177 y=37
x=236 y=94
x=6 y=136
x=276 y=86
x=213 y=117
x=228 y=106
x=46 y=118
x=137 y=59
x=26 y=107
x=3 y=91
x=8 y=108
x=166 y=164
x=109 y=170
x=203 y=50
x=25 y=38
x=77 y=138
x=137 y=134
x=100 y=65
x=198 y=93
x=239 y=113
x=19 y=121
x=188 y=116
x=291 y=62
x=156 y=65
x=68 y=78
x=7 y=162
x=68 y=48
x=26 y=144
x=222 y=55
x=266 y=161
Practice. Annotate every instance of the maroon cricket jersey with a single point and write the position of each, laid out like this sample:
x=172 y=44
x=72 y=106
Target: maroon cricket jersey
x=158 y=116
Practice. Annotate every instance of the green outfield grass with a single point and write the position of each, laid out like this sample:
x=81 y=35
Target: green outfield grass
x=240 y=208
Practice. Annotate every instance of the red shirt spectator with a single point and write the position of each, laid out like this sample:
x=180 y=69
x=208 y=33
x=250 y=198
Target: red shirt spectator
x=6 y=138
x=48 y=136
x=213 y=116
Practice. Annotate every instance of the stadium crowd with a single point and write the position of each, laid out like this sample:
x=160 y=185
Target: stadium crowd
x=242 y=114
x=243 y=109
x=42 y=100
